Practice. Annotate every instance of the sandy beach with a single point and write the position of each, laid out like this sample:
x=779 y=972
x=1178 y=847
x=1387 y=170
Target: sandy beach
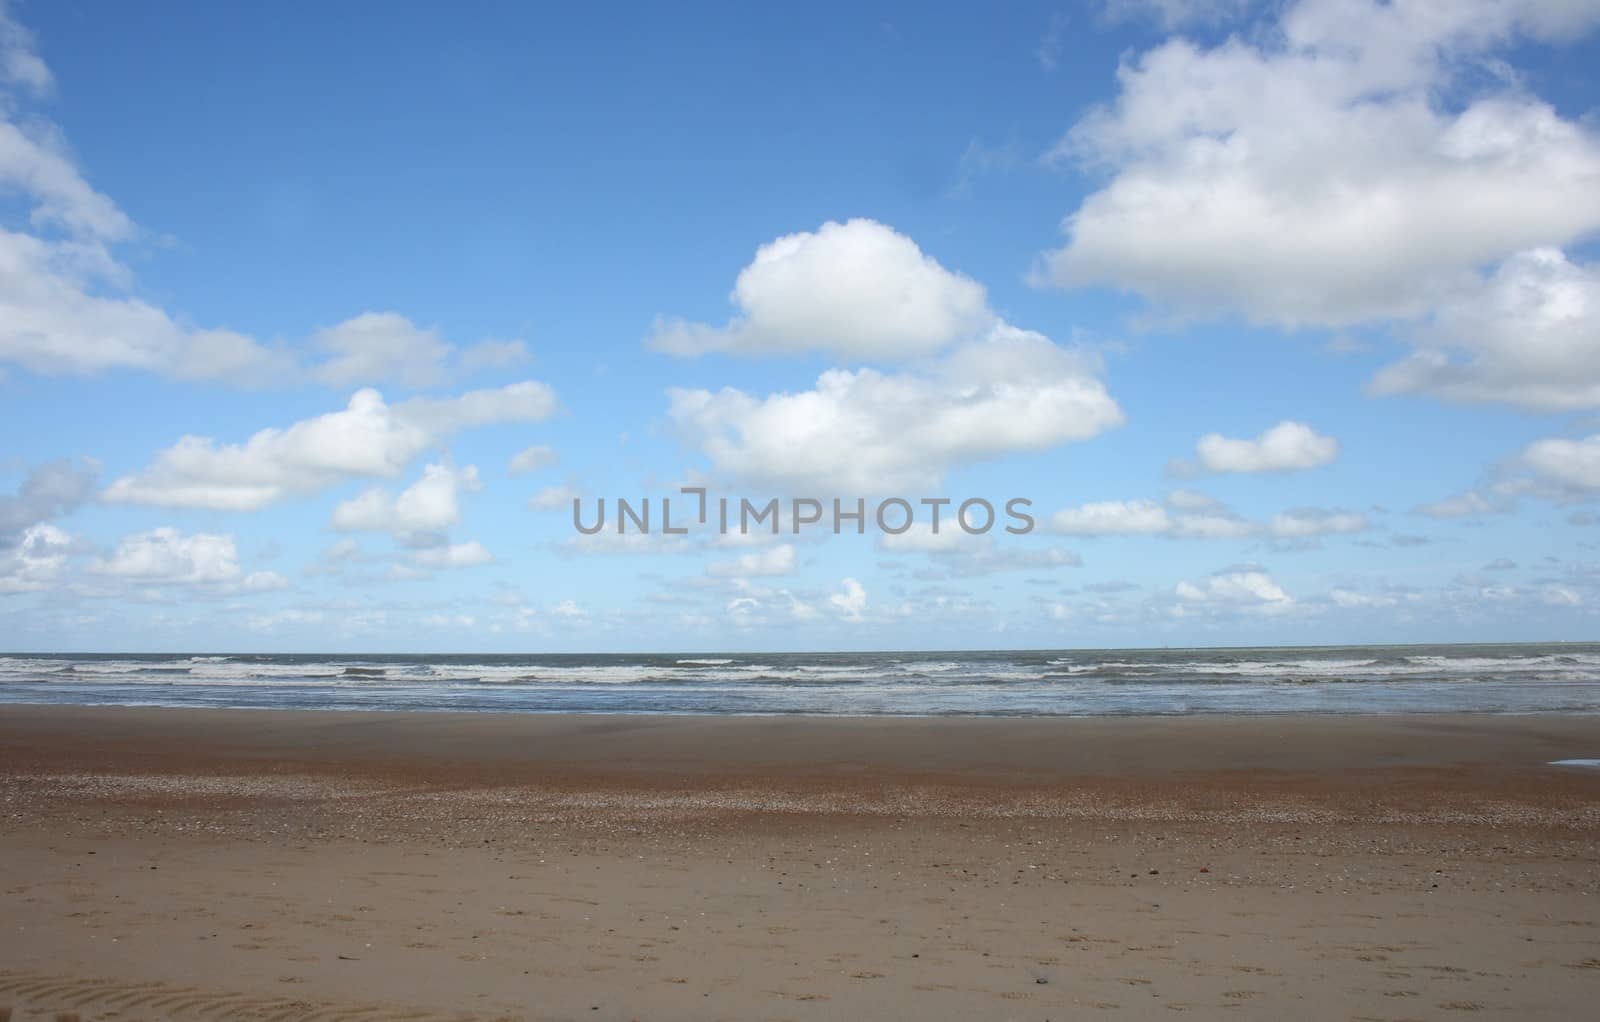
x=216 y=864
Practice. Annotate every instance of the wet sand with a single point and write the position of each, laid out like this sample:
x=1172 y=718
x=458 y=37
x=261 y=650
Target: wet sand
x=252 y=864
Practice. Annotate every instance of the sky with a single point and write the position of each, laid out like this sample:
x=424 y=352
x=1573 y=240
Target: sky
x=1283 y=319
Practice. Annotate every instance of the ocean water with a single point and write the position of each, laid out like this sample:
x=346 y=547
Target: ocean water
x=1553 y=678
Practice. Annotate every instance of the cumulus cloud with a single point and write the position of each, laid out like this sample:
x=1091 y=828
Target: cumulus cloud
x=1568 y=464
x=859 y=290
x=166 y=556
x=1529 y=336
x=367 y=439
x=1287 y=447
x=431 y=503
x=772 y=561
x=1344 y=164
x=865 y=431
x=35 y=560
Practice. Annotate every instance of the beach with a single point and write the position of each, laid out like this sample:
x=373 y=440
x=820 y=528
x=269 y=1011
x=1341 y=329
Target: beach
x=165 y=863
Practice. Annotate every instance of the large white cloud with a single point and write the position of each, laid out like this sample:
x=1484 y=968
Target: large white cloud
x=367 y=439
x=1325 y=170
x=1530 y=335
x=869 y=432
x=859 y=290
x=1287 y=447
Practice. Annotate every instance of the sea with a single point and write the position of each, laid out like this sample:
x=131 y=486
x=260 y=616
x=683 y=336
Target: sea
x=1508 y=679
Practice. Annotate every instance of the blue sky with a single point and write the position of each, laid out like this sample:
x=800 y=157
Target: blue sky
x=1285 y=317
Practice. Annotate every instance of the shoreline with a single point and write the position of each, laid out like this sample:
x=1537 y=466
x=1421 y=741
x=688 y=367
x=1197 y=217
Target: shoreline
x=995 y=748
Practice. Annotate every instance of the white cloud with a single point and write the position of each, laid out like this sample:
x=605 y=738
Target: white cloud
x=528 y=401
x=1113 y=518
x=852 y=601
x=19 y=64
x=1527 y=337
x=867 y=432
x=64 y=306
x=772 y=561
x=431 y=503
x=531 y=459
x=859 y=289
x=1570 y=464
x=1349 y=598
x=1286 y=447
x=1333 y=168
x=1303 y=523
x=68 y=305
x=35 y=560
x=368 y=439
x=1235 y=587
x=455 y=555
x=379 y=346
x=166 y=556
x=570 y=610
x=54 y=319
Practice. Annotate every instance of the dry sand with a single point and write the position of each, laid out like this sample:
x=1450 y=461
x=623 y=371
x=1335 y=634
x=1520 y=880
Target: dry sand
x=211 y=864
